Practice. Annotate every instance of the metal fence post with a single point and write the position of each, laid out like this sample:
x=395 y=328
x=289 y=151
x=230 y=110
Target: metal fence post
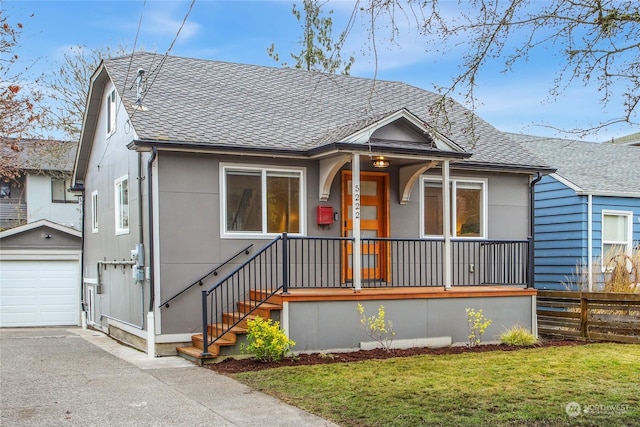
x=285 y=263
x=205 y=326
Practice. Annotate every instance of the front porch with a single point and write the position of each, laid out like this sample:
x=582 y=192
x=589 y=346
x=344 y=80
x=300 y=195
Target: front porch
x=305 y=283
x=326 y=320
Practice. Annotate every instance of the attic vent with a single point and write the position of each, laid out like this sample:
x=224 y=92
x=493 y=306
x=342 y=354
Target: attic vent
x=140 y=89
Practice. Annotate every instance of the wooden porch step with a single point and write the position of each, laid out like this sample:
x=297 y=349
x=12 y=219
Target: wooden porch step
x=233 y=316
x=218 y=328
x=197 y=342
x=263 y=310
x=195 y=355
x=262 y=294
x=230 y=334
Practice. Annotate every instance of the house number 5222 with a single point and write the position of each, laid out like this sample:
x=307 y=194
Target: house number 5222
x=356 y=201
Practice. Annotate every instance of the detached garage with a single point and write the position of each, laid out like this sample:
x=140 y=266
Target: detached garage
x=40 y=275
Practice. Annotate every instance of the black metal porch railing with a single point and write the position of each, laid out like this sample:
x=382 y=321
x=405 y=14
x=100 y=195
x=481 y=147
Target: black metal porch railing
x=230 y=301
x=212 y=272
x=325 y=262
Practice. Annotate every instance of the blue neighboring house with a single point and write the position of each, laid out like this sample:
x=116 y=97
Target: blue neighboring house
x=589 y=205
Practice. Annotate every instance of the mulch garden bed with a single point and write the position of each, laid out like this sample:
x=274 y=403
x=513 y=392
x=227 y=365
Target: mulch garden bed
x=232 y=366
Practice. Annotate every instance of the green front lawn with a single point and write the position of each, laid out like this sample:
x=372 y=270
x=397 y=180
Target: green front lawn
x=529 y=387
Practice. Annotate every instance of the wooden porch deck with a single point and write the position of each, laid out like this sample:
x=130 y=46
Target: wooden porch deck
x=398 y=293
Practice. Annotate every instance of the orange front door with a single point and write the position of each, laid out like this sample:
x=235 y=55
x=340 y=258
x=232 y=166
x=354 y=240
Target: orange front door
x=374 y=222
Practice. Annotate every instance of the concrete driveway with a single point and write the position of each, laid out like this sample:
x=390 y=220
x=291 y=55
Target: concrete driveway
x=75 y=377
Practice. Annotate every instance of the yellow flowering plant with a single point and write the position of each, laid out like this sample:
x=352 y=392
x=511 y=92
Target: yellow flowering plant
x=266 y=341
x=477 y=324
x=377 y=327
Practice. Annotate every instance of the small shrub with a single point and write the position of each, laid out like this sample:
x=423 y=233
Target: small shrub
x=477 y=324
x=518 y=335
x=376 y=327
x=266 y=341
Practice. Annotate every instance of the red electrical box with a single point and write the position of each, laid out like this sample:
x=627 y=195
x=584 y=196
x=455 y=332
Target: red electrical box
x=325 y=215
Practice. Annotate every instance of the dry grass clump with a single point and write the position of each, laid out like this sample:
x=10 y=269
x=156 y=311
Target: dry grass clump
x=621 y=273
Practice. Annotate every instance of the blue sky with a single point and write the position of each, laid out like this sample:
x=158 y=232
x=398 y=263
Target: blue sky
x=241 y=31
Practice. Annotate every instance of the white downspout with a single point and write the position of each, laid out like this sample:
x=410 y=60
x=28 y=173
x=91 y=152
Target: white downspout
x=590 y=241
x=446 y=211
x=355 y=206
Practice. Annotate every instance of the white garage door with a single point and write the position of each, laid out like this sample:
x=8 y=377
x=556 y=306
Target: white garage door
x=39 y=293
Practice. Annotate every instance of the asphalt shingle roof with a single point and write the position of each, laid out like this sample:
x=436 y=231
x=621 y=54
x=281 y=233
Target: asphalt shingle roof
x=194 y=101
x=38 y=154
x=596 y=168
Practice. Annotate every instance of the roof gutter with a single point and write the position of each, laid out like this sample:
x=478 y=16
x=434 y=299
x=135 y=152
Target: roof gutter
x=154 y=153
x=151 y=323
x=310 y=153
x=500 y=167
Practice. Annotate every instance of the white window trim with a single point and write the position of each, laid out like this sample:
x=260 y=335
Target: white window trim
x=116 y=184
x=484 y=206
x=263 y=169
x=94 y=211
x=111 y=112
x=629 y=237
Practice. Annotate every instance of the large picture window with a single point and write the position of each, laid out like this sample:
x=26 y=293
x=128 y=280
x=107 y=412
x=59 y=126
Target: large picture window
x=122 y=205
x=468 y=206
x=616 y=234
x=262 y=201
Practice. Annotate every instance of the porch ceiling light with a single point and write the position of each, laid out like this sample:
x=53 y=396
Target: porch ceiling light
x=380 y=162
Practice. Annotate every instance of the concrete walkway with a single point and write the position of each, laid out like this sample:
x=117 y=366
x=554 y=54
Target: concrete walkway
x=75 y=377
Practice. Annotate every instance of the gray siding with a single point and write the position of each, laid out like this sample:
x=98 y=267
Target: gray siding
x=35 y=239
x=119 y=296
x=190 y=245
x=331 y=325
x=507 y=205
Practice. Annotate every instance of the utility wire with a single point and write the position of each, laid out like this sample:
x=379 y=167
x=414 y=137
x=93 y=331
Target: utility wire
x=157 y=70
x=135 y=42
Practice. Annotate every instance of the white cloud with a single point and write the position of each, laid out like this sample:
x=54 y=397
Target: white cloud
x=167 y=23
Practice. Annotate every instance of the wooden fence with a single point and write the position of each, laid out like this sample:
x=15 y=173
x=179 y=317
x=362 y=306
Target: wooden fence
x=589 y=315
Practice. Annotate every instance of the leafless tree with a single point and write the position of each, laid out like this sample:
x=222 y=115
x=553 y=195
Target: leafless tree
x=319 y=51
x=599 y=41
x=69 y=87
x=21 y=108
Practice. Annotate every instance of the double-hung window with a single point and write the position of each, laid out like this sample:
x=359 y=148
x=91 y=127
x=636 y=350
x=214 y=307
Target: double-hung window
x=616 y=234
x=468 y=207
x=121 y=190
x=94 y=211
x=261 y=201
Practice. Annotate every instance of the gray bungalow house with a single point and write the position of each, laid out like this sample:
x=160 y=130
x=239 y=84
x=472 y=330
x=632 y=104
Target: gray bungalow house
x=217 y=191
x=586 y=211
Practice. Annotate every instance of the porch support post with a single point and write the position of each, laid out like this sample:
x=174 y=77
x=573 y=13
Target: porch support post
x=446 y=223
x=355 y=206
